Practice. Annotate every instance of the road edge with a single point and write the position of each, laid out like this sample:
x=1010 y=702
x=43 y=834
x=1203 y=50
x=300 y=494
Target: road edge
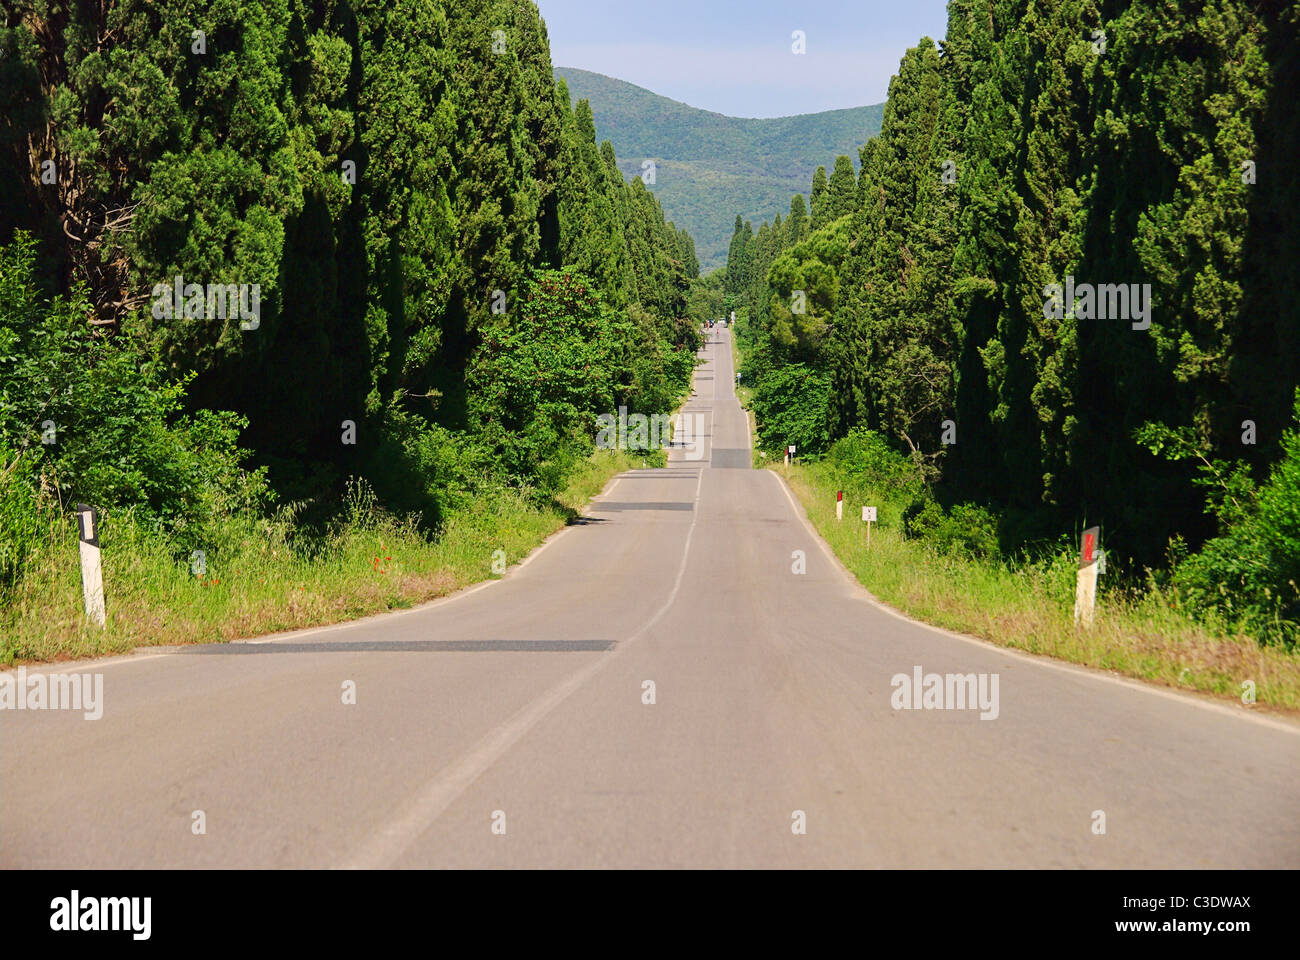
x=862 y=593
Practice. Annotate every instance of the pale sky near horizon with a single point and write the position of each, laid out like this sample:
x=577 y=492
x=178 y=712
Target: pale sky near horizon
x=735 y=58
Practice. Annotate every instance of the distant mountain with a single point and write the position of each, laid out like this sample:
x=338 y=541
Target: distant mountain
x=709 y=167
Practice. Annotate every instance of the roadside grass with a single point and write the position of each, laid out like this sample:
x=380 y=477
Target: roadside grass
x=1029 y=605
x=261 y=579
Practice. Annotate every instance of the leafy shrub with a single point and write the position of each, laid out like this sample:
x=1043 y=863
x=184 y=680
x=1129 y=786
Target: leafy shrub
x=543 y=452
x=423 y=468
x=1250 y=573
x=557 y=347
x=864 y=458
x=94 y=417
x=659 y=371
x=538 y=381
x=790 y=405
x=966 y=529
x=20 y=516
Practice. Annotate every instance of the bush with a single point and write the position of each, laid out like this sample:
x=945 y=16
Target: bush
x=864 y=458
x=545 y=451
x=21 y=529
x=93 y=418
x=1250 y=574
x=423 y=468
x=791 y=406
x=659 y=371
x=538 y=382
x=967 y=529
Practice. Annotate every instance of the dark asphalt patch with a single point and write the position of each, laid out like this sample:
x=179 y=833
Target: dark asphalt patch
x=408 y=646
x=730 y=458
x=603 y=505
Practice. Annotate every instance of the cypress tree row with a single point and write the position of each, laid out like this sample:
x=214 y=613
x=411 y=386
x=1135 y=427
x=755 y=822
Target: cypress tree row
x=1060 y=286
x=406 y=187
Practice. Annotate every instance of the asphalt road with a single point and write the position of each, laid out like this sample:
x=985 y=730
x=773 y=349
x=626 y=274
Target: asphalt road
x=519 y=705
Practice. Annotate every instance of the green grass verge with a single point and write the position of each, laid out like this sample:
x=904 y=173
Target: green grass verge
x=1030 y=606
x=264 y=582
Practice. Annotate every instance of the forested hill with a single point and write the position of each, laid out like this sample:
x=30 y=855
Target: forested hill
x=1062 y=286
x=443 y=278
x=708 y=166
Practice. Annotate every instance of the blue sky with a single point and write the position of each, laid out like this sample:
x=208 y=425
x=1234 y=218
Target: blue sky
x=735 y=57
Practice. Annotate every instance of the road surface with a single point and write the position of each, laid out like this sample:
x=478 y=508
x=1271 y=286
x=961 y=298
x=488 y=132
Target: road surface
x=519 y=707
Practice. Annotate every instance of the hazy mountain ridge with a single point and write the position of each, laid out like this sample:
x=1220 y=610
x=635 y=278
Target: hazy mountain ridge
x=709 y=166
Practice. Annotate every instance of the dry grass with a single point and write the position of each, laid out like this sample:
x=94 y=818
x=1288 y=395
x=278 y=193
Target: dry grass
x=257 y=583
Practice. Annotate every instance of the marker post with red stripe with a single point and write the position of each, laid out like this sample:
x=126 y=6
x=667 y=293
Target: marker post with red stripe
x=1085 y=591
x=839 y=505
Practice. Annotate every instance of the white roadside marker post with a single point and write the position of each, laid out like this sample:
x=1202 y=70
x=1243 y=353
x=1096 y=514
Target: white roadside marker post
x=868 y=517
x=839 y=504
x=1085 y=592
x=92 y=576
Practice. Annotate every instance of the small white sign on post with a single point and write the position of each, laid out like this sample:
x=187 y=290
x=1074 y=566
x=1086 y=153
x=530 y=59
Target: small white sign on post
x=92 y=575
x=868 y=517
x=789 y=453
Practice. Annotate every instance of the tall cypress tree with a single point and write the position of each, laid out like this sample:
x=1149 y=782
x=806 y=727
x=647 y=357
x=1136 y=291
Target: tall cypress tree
x=796 y=225
x=841 y=189
x=817 y=199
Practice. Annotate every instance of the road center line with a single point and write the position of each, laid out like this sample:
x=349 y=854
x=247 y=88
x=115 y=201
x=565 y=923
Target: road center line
x=392 y=840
